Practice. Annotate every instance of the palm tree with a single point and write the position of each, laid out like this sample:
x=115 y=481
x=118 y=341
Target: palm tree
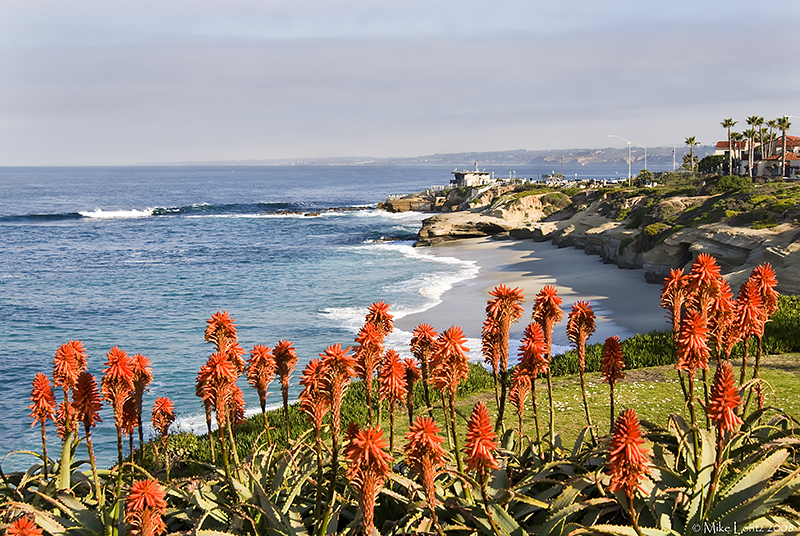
x=728 y=123
x=691 y=142
x=736 y=137
x=772 y=124
x=751 y=134
x=783 y=124
x=757 y=122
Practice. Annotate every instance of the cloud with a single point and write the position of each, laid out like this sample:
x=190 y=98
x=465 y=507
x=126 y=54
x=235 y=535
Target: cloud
x=195 y=81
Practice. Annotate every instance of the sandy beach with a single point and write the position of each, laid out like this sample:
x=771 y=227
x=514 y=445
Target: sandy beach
x=623 y=301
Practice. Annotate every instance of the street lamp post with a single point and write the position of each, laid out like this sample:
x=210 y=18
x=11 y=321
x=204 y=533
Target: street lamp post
x=629 y=154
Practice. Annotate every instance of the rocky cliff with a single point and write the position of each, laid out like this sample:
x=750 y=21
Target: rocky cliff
x=622 y=232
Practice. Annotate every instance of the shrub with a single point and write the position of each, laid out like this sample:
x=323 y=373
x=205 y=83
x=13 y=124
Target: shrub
x=729 y=183
x=655 y=229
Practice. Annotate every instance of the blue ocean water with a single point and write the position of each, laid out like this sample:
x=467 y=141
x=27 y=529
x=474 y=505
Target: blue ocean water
x=140 y=257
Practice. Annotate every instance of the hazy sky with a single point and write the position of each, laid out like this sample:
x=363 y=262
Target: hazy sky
x=122 y=82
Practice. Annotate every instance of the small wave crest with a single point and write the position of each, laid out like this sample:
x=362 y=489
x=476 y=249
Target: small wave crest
x=117 y=214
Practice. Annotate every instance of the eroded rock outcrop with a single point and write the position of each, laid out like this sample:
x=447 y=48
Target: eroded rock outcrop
x=737 y=249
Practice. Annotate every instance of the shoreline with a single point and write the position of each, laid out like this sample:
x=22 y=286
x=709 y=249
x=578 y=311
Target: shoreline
x=624 y=303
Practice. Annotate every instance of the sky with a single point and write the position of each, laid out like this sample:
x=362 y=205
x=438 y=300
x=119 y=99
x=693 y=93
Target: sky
x=90 y=82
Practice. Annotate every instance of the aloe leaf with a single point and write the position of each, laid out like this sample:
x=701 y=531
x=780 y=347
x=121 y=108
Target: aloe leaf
x=747 y=484
x=504 y=521
x=761 y=504
x=294 y=490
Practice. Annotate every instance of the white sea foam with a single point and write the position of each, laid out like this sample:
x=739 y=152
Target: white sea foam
x=117 y=214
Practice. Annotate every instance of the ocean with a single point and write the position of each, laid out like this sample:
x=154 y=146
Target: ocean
x=140 y=257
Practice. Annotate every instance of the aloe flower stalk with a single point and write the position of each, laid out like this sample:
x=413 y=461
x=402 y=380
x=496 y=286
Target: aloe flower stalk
x=490 y=348
x=763 y=278
x=613 y=361
x=220 y=328
x=340 y=366
x=130 y=421
x=547 y=313
x=43 y=407
x=534 y=360
x=423 y=341
x=628 y=462
x=218 y=376
x=425 y=454
x=751 y=318
x=505 y=309
x=145 y=507
x=285 y=360
x=704 y=282
x=480 y=447
x=163 y=416
x=68 y=362
x=87 y=406
x=721 y=315
x=580 y=326
x=368 y=354
x=260 y=372
x=520 y=388
x=693 y=352
x=450 y=368
x=315 y=402
x=117 y=386
x=412 y=376
x=675 y=295
x=142 y=377
x=392 y=379
x=367 y=471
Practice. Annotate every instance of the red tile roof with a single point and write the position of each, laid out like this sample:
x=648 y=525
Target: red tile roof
x=789 y=156
x=736 y=144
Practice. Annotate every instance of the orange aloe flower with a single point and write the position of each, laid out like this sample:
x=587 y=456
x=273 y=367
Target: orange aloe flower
x=391 y=377
x=750 y=310
x=721 y=314
x=490 y=344
x=87 y=402
x=369 y=466
x=117 y=386
x=163 y=415
x=580 y=326
x=285 y=360
x=43 y=407
x=392 y=380
x=674 y=294
x=724 y=399
x=220 y=328
x=87 y=408
x=481 y=442
x=68 y=363
x=340 y=365
x=547 y=312
x=368 y=353
x=613 y=360
x=449 y=363
x=692 y=349
x=314 y=399
x=130 y=418
x=628 y=462
x=704 y=281
x=764 y=276
x=23 y=526
x=425 y=454
x=142 y=377
x=533 y=358
x=378 y=314
x=237 y=406
x=503 y=309
x=260 y=372
x=145 y=505
x=43 y=400
x=423 y=340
